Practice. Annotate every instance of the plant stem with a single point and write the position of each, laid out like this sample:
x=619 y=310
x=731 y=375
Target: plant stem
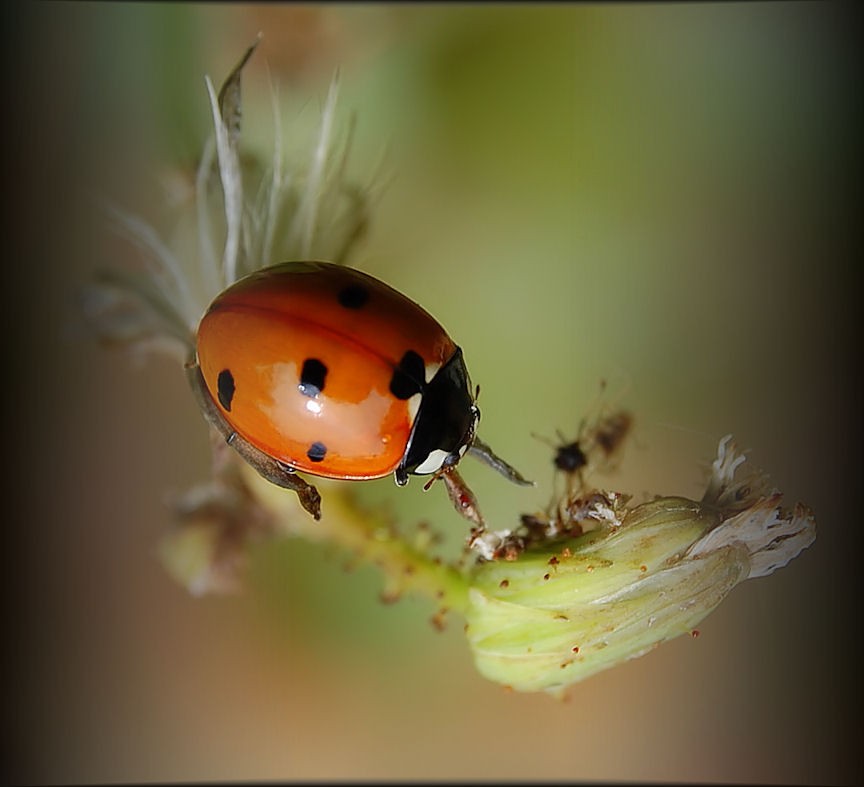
x=369 y=536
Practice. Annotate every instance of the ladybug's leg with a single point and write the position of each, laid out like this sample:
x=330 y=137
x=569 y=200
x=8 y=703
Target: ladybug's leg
x=484 y=453
x=269 y=468
x=461 y=496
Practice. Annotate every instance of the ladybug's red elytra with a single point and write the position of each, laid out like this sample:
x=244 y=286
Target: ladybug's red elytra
x=323 y=369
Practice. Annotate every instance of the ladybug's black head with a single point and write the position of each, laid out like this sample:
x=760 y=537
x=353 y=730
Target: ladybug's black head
x=444 y=427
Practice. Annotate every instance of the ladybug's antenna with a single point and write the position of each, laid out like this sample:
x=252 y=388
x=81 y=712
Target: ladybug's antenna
x=485 y=454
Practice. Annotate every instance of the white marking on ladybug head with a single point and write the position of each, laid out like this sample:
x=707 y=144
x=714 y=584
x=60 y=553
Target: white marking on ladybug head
x=431 y=370
x=432 y=463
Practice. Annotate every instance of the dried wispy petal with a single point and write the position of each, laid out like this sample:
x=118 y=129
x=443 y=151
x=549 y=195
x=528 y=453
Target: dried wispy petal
x=230 y=103
x=129 y=313
x=257 y=213
x=771 y=535
x=232 y=187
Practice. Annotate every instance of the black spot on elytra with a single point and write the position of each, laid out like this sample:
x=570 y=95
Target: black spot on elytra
x=312 y=377
x=409 y=376
x=225 y=388
x=317 y=452
x=353 y=296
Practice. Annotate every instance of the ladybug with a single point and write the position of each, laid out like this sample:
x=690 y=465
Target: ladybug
x=319 y=368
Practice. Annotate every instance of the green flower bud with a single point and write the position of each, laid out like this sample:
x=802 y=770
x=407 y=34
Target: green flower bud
x=206 y=552
x=564 y=611
x=192 y=556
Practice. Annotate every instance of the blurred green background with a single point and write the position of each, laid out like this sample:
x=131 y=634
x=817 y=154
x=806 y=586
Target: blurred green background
x=662 y=197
